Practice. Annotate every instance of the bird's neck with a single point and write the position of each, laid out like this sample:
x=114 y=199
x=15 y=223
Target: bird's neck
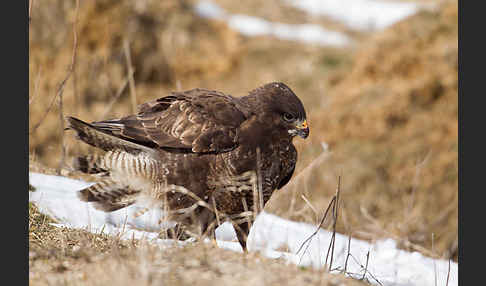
x=259 y=132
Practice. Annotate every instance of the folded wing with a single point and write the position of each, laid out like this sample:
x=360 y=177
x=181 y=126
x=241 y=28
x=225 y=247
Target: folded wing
x=198 y=120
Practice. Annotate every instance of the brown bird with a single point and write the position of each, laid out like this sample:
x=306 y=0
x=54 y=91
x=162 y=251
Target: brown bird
x=203 y=155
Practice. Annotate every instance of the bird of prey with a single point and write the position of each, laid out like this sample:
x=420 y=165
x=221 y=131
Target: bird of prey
x=203 y=155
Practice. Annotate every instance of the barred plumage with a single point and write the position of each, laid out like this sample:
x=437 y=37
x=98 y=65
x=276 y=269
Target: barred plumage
x=197 y=153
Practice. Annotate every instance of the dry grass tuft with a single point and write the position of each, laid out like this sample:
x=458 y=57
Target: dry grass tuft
x=387 y=109
x=168 y=43
x=391 y=124
x=60 y=256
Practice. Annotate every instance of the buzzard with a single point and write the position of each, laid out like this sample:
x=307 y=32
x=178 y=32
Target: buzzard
x=201 y=154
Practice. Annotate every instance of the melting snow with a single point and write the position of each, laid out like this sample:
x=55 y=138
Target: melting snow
x=253 y=26
x=359 y=14
x=387 y=265
x=356 y=14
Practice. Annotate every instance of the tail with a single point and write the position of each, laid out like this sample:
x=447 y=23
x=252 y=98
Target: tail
x=90 y=164
x=108 y=196
x=102 y=139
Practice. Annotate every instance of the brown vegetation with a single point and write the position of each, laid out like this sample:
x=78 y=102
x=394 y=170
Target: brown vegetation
x=60 y=256
x=387 y=108
x=391 y=126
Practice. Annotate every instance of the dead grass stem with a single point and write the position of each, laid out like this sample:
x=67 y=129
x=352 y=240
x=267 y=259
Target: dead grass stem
x=133 y=92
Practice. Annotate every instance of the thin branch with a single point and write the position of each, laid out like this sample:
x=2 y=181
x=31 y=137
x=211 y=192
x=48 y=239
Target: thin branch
x=45 y=115
x=36 y=87
x=117 y=96
x=348 y=253
x=215 y=210
x=306 y=170
x=257 y=188
x=319 y=226
x=331 y=249
x=71 y=69
x=131 y=81
x=448 y=272
x=366 y=266
x=335 y=217
x=245 y=208
x=68 y=75
x=310 y=205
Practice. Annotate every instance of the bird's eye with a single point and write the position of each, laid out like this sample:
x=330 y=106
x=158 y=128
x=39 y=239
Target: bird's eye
x=288 y=117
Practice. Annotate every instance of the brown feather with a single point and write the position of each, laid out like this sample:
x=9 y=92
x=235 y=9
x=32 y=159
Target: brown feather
x=107 y=195
x=198 y=145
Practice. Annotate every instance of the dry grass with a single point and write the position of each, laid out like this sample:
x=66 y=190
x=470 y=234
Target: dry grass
x=388 y=111
x=391 y=125
x=60 y=256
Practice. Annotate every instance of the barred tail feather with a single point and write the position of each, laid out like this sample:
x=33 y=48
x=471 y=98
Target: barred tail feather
x=108 y=196
x=88 y=164
x=103 y=140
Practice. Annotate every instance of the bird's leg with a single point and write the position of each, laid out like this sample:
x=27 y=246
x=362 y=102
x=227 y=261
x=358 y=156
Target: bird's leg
x=242 y=231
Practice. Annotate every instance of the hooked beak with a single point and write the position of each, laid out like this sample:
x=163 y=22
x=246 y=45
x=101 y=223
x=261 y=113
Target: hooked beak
x=302 y=129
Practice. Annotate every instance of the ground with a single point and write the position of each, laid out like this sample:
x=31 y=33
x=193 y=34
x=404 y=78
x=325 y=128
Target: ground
x=386 y=107
x=59 y=255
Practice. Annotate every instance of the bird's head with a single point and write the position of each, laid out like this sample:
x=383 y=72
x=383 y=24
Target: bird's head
x=284 y=107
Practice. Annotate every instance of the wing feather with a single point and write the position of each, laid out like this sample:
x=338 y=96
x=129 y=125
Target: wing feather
x=197 y=120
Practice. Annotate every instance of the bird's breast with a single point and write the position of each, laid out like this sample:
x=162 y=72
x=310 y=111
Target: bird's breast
x=272 y=161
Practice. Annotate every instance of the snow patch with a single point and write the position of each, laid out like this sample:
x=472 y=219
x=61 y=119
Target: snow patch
x=387 y=265
x=253 y=26
x=359 y=14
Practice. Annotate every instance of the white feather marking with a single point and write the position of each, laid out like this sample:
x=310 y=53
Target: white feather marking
x=178 y=126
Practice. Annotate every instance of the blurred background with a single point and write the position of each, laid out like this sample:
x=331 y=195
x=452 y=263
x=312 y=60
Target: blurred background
x=378 y=80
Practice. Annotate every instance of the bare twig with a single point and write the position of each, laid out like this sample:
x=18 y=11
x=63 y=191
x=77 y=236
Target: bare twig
x=61 y=89
x=36 y=87
x=245 y=208
x=259 y=202
x=310 y=205
x=416 y=182
x=215 y=210
x=448 y=272
x=366 y=266
x=68 y=75
x=334 y=205
x=335 y=217
x=306 y=170
x=117 y=96
x=75 y=92
x=330 y=249
x=43 y=117
x=296 y=181
x=131 y=81
x=63 y=148
x=348 y=254
x=319 y=226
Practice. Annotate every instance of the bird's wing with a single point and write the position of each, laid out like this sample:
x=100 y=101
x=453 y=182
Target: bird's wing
x=105 y=140
x=197 y=120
